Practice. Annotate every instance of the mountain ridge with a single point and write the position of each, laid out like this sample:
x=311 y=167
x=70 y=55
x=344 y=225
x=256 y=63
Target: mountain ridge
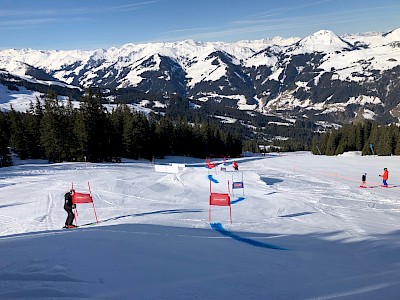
x=312 y=74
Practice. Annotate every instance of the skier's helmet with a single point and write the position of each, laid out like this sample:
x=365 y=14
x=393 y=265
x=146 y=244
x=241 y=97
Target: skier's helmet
x=384 y=169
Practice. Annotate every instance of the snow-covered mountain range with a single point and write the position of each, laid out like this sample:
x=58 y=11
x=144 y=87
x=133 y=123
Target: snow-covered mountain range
x=323 y=77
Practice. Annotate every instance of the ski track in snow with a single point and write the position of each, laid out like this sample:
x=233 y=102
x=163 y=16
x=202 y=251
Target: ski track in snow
x=328 y=198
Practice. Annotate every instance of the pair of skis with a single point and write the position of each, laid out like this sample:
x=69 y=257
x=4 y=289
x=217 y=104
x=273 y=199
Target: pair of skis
x=75 y=226
x=375 y=186
x=70 y=226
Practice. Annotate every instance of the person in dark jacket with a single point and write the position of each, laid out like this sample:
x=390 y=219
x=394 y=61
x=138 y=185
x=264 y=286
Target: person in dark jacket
x=364 y=180
x=68 y=206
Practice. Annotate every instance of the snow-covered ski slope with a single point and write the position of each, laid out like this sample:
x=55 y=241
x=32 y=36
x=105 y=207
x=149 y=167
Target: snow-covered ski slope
x=302 y=229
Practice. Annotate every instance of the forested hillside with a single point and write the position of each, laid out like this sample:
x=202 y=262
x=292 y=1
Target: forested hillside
x=90 y=133
x=369 y=138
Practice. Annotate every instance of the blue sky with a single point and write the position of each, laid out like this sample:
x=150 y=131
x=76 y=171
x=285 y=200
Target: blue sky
x=93 y=24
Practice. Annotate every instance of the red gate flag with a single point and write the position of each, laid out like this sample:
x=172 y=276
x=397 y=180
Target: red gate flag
x=78 y=198
x=81 y=198
x=210 y=165
x=220 y=199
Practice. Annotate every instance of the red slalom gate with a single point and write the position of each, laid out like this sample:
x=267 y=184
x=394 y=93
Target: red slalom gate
x=81 y=198
x=219 y=199
x=210 y=165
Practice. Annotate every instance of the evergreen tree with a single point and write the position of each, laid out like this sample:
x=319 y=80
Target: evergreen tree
x=128 y=133
x=50 y=130
x=393 y=136
x=315 y=149
x=373 y=139
x=18 y=135
x=332 y=143
x=234 y=144
x=136 y=134
x=69 y=139
x=205 y=133
x=367 y=132
x=251 y=146
x=31 y=123
x=198 y=147
x=91 y=129
x=165 y=136
x=359 y=137
x=351 y=138
x=184 y=137
x=5 y=155
x=117 y=127
x=397 y=146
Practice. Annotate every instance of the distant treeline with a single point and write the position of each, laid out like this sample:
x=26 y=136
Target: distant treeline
x=368 y=138
x=89 y=133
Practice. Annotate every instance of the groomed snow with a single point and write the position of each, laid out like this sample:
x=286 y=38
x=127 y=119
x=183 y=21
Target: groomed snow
x=302 y=229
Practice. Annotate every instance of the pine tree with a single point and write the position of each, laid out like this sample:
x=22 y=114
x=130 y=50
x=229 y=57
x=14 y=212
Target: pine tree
x=332 y=143
x=184 y=137
x=91 y=129
x=205 y=133
x=197 y=146
x=31 y=123
x=393 y=136
x=5 y=155
x=165 y=136
x=315 y=148
x=128 y=133
x=50 y=130
x=366 y=150
x=397 y=139
x=136 y=135
x=359 y=142
x=69 y=140
x=251 y=146
x=373 y=140
x=18 y=135
x=117 y=127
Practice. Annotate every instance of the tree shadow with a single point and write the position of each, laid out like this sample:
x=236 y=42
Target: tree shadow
x=220 y=229
x=271 y=193
x=298 y=214
x=238 y=200
x=6 y=184
x=157 y=212
x=317 y=265
x=12 y=204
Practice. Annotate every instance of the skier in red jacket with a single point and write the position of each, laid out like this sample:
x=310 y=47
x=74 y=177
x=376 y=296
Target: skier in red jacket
x=385 y=177
x=235 y=165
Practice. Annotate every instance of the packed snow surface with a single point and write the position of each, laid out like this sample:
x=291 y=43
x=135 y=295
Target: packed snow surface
x=302 y=228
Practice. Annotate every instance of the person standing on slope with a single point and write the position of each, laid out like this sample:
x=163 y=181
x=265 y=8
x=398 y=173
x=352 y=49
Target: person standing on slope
x=385 y=177
x=364 y=180
x=68 y=206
